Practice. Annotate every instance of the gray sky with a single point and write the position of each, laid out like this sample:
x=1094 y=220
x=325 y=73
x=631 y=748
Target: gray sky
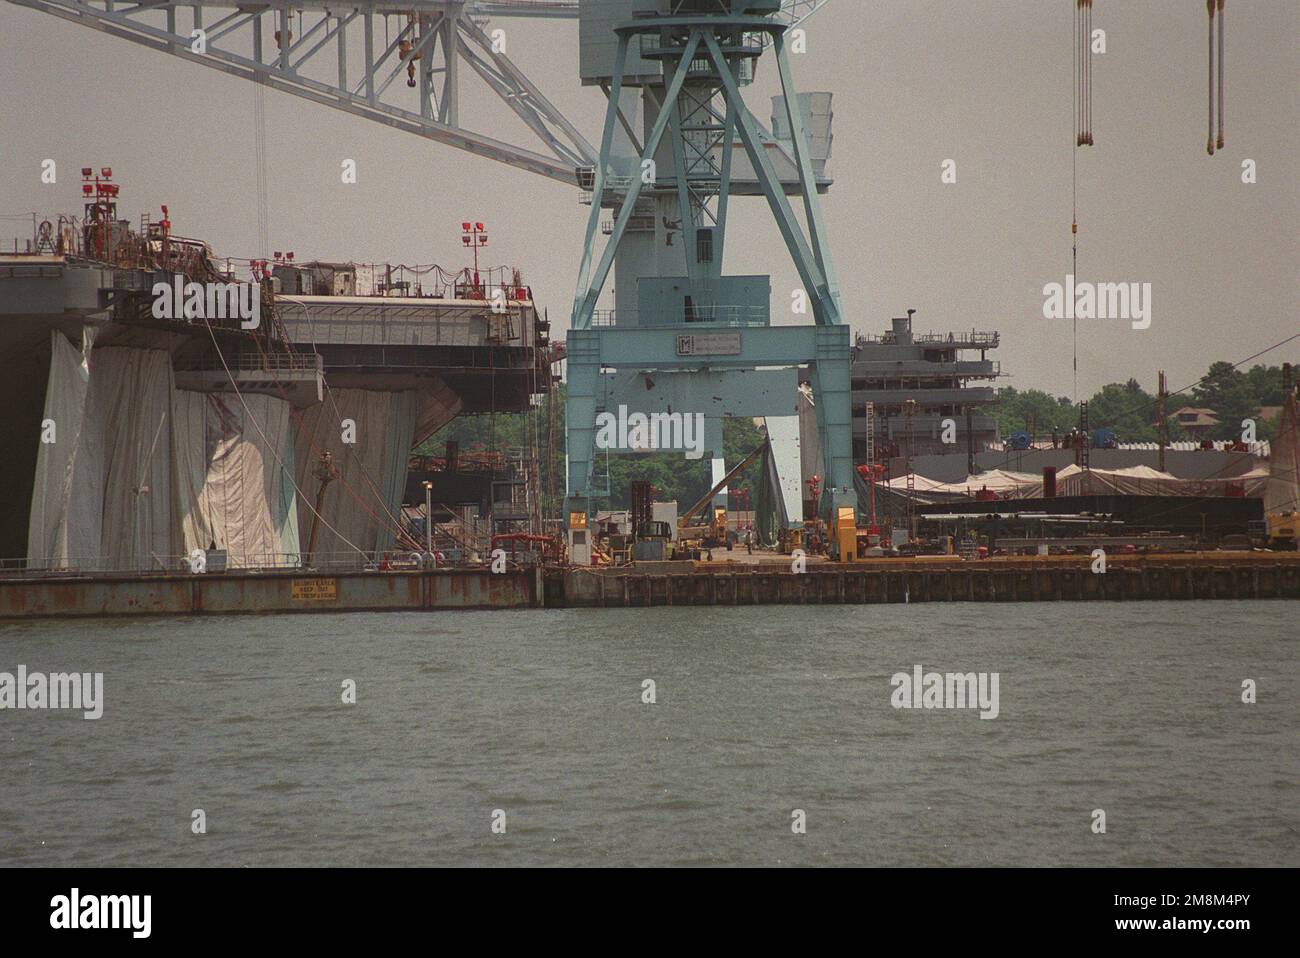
x=915 y=83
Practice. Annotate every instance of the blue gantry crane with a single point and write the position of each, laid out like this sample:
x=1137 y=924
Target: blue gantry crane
x=684 y=337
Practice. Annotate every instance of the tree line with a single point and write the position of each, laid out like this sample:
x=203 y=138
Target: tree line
x=1131 y=412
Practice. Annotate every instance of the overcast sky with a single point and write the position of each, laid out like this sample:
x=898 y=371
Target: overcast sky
x=917 y=82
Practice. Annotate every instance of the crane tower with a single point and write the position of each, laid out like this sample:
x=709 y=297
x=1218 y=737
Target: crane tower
x=679 y=142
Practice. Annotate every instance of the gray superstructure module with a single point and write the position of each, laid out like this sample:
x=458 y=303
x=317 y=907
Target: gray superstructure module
x=132 y=441
x=931 y=370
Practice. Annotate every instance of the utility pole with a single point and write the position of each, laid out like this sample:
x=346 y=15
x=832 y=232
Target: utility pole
x=1085 y=440
x=428 y=517
x=970 y=442
x=909 y=413
x=1161 y=422
x=472 y=236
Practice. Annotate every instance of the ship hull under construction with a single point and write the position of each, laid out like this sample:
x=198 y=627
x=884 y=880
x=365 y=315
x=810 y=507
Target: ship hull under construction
x=140 y=444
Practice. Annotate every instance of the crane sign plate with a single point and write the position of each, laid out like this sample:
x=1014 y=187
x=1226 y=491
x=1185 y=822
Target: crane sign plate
x=709 y=344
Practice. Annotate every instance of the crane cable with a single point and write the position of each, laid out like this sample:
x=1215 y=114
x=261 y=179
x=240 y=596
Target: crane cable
x=1083 y=72
x=1086 y=51
x=1211 y=141
x=284 y=469
x=1223 y=29
x=400 y=534
x=1209 y=138
x=259 y=162
x=1079 y=54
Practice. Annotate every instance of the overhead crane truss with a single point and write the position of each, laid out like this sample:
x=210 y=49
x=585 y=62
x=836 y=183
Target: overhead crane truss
x=320 y=63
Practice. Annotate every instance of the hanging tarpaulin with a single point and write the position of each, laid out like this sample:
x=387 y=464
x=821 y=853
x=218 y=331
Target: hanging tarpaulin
x=234 y=487
x=1282 y=494
x=50 y=542
x=770 y=516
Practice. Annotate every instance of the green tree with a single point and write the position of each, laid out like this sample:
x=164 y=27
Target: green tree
x=1234 y=396
x=1019 y=411
x=1127 y=409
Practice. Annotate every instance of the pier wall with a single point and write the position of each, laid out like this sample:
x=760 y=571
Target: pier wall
x=1205 y=576
x=217 y=594
x=1055 y=579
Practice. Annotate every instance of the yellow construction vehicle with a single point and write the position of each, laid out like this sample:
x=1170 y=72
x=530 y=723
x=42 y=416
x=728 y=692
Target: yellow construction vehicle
x=1283 y=530
x=712 y=534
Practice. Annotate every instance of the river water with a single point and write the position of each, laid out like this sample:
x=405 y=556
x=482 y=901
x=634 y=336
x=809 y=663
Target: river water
x=1134 y=709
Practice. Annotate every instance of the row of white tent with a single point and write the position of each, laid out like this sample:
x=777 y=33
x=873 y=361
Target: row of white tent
x=1075 y=481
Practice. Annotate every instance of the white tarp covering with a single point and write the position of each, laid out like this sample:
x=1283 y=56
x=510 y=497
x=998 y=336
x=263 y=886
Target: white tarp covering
x=1145 y=481
x=65 y=400
x=120 y=510
x=1131 y=481
x=919 y=483
x=140 y=473
x=1074 y=481
x=234 y=463
x=1282 y=493
x=786 y=439
x=1005 y=484
x=363 y=503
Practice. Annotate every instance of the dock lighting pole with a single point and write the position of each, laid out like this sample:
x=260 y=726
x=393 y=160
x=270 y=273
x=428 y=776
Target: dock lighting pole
x=474 y=235
x=428 y=517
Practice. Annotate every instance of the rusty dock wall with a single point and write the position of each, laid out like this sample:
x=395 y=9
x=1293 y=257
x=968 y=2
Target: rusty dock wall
x=1203 y=576
x=228 y=593
x=1218 y=575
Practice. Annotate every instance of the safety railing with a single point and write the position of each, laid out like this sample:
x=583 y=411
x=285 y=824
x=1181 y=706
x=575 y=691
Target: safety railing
x=704 y=315
x=969 y=340
x=393 y=559
x=280 y=362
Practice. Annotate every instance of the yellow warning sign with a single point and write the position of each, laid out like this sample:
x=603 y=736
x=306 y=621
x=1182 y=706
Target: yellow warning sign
x=318 y=589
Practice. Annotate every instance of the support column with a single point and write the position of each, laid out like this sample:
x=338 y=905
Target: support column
x=580 y=415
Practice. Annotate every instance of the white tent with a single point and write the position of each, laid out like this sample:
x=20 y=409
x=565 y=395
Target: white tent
x=1003 y=483
x=919 y=483
x=1145 y=481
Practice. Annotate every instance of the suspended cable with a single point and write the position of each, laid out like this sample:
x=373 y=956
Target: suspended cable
x=1083 y=72
x=1087 y=52
x=1074 y=179
x=259 y=160
x=1209 y=139
x=400 y=532
x=288 y=474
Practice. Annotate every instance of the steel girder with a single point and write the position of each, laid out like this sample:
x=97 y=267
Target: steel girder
x=236 y=40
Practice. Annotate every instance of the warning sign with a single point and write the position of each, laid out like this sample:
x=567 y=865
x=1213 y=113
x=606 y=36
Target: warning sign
x=316 y=589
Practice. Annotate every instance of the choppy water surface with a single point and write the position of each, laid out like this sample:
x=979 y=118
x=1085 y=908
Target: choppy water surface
x=1134 y=709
